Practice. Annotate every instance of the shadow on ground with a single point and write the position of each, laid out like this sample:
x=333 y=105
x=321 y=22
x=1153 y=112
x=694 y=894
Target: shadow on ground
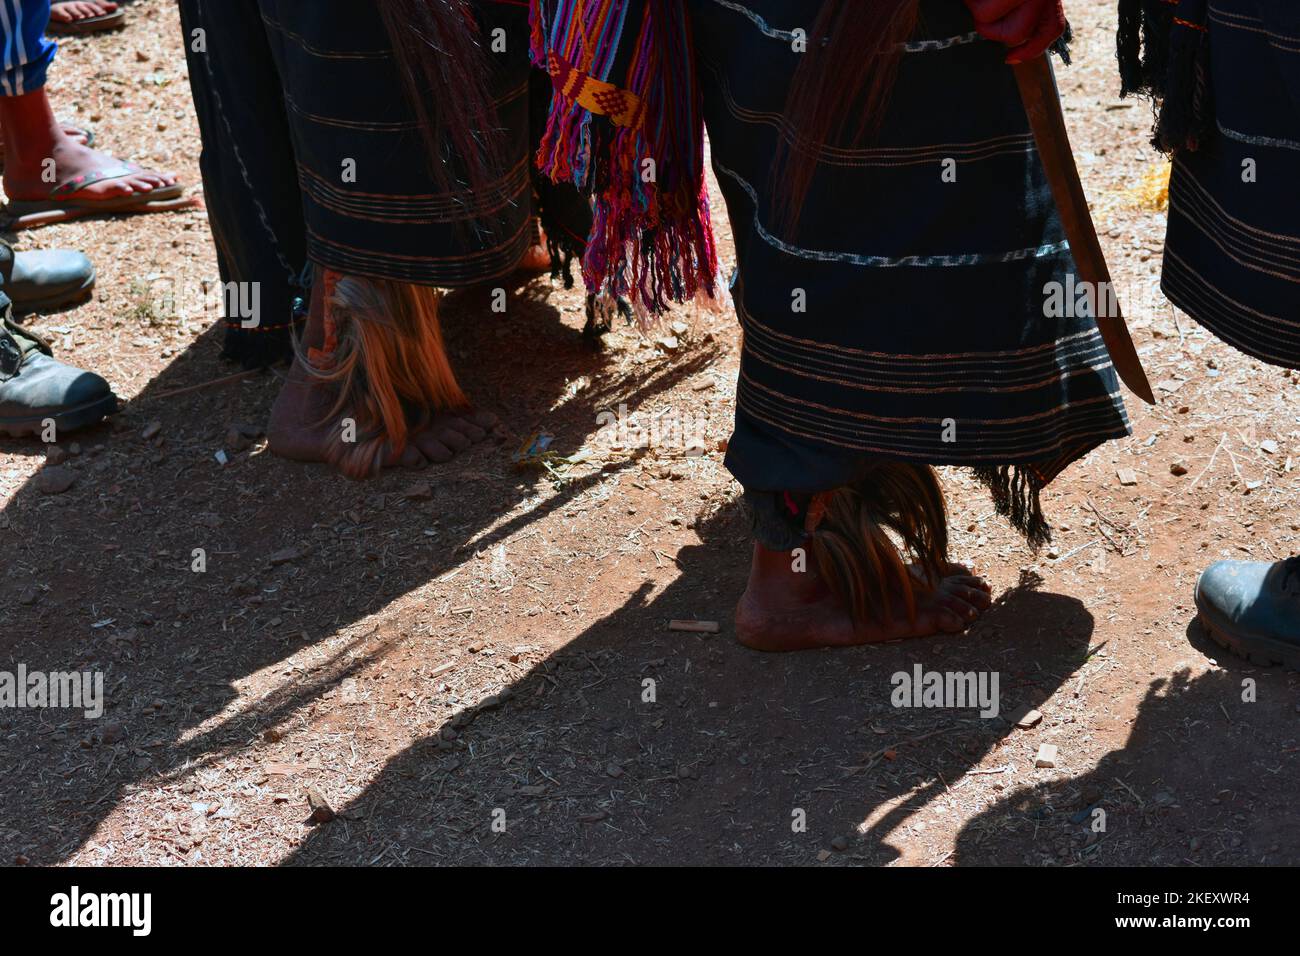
x=101 y=577
x=1203 y=778
x=735 y=748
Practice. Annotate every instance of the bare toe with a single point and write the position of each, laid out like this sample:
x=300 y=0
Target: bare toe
x=453 y=439
x=411 y=457
x=433 y=449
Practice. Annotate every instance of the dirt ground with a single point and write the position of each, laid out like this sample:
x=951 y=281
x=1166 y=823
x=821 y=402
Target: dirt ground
x=438 y=652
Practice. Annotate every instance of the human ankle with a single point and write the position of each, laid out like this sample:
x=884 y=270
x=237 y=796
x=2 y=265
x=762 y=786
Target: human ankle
x=785 y=574
x=32 y=134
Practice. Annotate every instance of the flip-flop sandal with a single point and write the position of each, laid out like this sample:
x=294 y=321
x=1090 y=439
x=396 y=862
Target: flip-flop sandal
x=68 y=128
x=63 y=204
x=99 y=24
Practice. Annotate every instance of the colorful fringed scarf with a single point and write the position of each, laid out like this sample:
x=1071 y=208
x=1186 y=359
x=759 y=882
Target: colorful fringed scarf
x=1164 y=52
x=625 y=127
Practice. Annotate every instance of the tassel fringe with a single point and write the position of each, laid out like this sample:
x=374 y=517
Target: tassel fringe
x=633 y=142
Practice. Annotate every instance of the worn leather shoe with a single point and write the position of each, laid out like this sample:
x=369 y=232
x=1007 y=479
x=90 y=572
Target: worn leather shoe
x=1253 y=609
x=35 y=387
x=43 y=280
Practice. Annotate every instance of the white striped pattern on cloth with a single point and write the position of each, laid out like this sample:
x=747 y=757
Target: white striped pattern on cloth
x=15 y=57
x=888 y=262
x=788 y=36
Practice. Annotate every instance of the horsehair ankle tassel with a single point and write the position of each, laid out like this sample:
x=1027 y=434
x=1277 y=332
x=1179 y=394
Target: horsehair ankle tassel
x=384 y=354
x=849 y=535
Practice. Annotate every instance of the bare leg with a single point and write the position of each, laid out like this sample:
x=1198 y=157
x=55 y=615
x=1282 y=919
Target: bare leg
x=33 y=136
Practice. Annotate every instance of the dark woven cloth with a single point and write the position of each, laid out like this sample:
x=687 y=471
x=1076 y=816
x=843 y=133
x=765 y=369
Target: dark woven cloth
x=313 y=154
x=249 y=181
x=924 y=337
x=367 y=199
x=1232 y=254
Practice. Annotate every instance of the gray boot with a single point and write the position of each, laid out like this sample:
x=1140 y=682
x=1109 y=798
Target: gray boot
x=44 y=279
x=1253 y=609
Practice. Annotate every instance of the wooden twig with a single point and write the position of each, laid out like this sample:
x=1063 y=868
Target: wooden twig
x=1209 y=465
x=226 y=379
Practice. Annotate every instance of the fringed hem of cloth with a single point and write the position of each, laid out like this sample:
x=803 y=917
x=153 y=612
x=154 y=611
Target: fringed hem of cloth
x=1163 y=47
x=778 y=519
x=1061 y=46
x=1016 y=491
x=564 y=212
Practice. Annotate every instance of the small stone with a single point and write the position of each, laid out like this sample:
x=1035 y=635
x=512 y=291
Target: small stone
x=614 y=770
x=285 y=556
x=321 y=812
x=56 y=480
x=1178 y=468
x=273 y=735
x=55 y=455
x=1025 y=716
x=823 y=856
x=222 y=458
x=30 y=596
x=669 y=343
x=112 y=733
x=420 y=491
x=151 y=430
x=1268 y=446
x=1127 y=476
x=840 y=843
x=1046 y=756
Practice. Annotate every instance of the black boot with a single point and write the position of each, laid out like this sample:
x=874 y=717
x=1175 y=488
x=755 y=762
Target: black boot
x=35 y=388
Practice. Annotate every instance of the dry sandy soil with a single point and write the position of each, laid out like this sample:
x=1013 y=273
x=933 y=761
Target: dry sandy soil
x=436 y=652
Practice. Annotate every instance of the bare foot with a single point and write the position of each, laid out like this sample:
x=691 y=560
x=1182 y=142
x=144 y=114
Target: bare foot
x=74 y=133
x=25 y=177
x=536 y=259
x=298 y=429
x=787 y=610
x=70 y=10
